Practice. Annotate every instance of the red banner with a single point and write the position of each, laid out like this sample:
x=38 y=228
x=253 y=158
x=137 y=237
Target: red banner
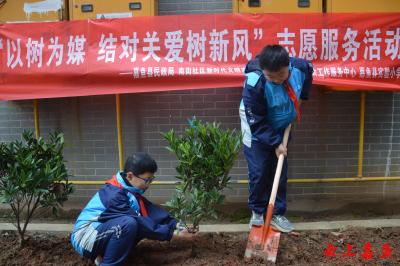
x=143 y=54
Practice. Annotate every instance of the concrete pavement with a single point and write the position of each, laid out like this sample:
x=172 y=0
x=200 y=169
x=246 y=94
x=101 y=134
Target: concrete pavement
x=322 y=225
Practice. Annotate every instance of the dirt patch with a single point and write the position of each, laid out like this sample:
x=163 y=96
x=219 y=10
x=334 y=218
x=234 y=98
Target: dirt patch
x=40 y=249
x=219 y=249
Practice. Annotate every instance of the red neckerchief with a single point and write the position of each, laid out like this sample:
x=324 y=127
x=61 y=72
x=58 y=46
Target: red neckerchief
x=114 y=182
x=293 y=97
x=143 y=209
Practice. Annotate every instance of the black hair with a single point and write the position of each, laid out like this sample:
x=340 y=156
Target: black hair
x=140 y=163
x=273 y=58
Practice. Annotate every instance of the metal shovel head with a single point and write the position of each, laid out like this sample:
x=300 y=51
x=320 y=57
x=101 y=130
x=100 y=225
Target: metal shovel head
x=267 y=248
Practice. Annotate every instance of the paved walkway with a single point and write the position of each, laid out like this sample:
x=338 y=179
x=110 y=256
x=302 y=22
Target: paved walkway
x=329 y=225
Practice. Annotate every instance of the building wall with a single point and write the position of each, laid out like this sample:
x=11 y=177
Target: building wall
x=324 y=144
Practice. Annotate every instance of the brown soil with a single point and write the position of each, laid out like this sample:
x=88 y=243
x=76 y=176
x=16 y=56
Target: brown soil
x=216 y=249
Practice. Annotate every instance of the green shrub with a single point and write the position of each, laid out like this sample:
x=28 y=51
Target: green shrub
x=33 y=174
x=206 y=153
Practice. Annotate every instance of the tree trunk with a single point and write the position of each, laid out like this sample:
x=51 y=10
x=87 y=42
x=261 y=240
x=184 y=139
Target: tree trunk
x=21 y=239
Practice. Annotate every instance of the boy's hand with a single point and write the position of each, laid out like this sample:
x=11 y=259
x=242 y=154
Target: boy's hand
x=182 y=232
x=281 y=150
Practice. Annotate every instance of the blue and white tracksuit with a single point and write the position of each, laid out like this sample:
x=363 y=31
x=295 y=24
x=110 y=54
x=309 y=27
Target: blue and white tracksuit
x=265 y=111
x=112 y=223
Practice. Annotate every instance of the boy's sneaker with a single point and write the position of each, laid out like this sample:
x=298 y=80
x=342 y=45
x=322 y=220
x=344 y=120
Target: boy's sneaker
x=280 y=223
x=257 y=219
x=98 y=260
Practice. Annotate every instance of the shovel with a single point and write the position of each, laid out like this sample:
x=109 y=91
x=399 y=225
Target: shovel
x=263 y=240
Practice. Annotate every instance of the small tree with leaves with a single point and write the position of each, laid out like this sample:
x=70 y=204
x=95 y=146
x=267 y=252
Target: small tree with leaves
x=32 y=175
x=206 y=153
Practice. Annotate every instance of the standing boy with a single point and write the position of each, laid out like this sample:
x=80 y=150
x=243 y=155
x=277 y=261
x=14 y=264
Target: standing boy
x=271 y=97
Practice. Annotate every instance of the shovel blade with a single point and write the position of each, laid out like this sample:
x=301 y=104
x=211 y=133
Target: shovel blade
x=254 y=243
x=268 y=249
x=272 y=245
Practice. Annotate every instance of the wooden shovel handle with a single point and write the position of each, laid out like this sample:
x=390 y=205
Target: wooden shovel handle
x=270 y=207
x=279 y=167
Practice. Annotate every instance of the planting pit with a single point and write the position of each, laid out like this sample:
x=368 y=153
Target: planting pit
x=219 y=249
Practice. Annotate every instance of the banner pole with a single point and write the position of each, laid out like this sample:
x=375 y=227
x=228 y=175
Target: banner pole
x=119 y=131
x=36 y=118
